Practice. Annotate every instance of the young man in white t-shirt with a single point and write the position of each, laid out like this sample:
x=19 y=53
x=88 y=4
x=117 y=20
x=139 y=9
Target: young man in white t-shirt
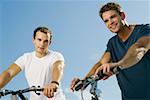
x=43 y=67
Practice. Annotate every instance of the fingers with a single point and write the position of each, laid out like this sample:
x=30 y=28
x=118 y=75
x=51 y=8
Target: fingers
x=140 y=52
x=50 y=90
x=105 y=77
x=108 y=75
x=73 y=83
x=48 y=93
x=105 y=68
x=108 y=69
x=142 y=49
x=51 y=93
x=97 y=71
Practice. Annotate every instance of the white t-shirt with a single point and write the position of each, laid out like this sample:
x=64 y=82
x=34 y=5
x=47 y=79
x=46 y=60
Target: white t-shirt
x=38 y=72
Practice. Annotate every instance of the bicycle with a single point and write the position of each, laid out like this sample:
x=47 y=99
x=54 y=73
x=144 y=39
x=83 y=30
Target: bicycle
x=15 y=95
x=82 y=84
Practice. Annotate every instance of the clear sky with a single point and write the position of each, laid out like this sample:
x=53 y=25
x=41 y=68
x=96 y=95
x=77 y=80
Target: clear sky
x=78 y=33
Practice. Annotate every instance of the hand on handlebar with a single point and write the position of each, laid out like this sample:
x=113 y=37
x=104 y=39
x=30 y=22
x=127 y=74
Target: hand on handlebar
x=50 y=89
x=78 y=84
x=73 y=83
x=107 y=69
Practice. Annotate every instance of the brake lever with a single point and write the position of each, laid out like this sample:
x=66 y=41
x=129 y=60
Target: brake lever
x=38 y=89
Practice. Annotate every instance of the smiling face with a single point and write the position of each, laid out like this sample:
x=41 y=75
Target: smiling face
x=113 y=20
x=41 y=43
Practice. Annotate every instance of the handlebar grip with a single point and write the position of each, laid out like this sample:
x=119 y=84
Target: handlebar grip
x=79 y=85
x=84 y=83
x=100 y=75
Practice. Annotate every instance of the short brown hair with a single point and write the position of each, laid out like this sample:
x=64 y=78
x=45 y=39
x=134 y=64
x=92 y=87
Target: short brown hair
x=42 y=29
x=110 y=6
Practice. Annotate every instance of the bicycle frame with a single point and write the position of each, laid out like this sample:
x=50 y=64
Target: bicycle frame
x=19 y=93
x=93 y=89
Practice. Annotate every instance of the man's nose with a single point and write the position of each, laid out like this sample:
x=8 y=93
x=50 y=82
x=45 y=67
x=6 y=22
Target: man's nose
x=111 y=21
x=42 y=43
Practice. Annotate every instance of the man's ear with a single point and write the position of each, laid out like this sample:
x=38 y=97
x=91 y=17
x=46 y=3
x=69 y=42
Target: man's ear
x=33 y=40
x=50 y=42
x=122 y=14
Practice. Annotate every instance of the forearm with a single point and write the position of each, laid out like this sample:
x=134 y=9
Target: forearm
x=8 y=74
x=134 y=54
x=4 y=79
x=57 y=75
x=57 y=71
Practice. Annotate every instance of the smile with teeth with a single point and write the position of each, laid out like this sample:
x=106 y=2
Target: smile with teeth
x=41 y=48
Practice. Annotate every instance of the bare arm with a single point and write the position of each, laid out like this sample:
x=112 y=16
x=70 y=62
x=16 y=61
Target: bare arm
x=8 y=74
x=135 y=52
x=57 y=74
x=133 y=56
x=57 y=71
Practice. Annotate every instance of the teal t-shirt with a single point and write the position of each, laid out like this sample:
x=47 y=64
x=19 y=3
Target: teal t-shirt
x=134 y=82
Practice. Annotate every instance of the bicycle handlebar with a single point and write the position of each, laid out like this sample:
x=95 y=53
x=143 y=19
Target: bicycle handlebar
x=20 y=92
x=82 y=84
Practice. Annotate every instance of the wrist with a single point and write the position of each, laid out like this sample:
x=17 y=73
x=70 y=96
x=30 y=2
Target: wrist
x=117 y=69
x=55 y=82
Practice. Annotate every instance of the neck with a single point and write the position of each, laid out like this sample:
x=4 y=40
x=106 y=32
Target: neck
x=40 y=55
x=125 y=32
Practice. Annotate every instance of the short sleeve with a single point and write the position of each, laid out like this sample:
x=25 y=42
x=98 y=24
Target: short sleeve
x=145 y=30
x=59 y=56
x=108 y=49
x=21 y=61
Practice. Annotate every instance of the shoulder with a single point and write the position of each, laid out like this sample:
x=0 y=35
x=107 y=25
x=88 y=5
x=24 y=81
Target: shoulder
x=142 y=29
x=143 y=26
x=28 y=54
x=112 y=39
x=57 y=55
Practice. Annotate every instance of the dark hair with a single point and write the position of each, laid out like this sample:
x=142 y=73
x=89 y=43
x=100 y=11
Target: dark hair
x=42 y=29
x=110 y=6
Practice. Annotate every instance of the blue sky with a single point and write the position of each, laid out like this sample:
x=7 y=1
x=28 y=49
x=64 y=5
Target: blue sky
x=78 y=33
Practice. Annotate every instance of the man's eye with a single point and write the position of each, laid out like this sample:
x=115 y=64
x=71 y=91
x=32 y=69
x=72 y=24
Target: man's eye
x=113 y=16
x=39 y=39
x=46 y=40
x=106 y=21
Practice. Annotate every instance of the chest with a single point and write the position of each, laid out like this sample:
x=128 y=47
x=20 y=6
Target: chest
x=38 y=71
